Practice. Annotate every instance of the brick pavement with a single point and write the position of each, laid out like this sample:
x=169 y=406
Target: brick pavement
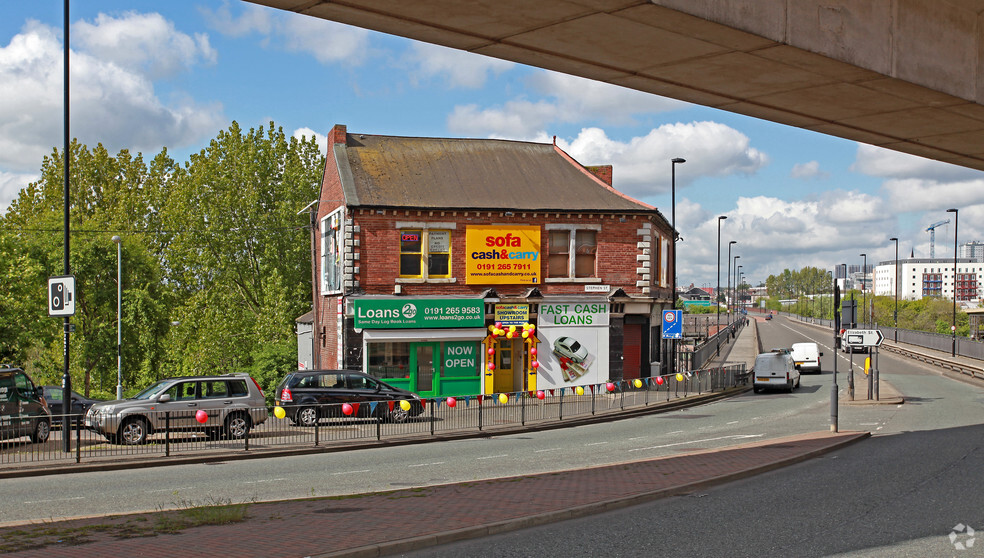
x=402 y=520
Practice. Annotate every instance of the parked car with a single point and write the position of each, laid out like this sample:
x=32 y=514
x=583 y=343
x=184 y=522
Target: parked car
x=23 y=411
x=54 y=397
x=806 y=357
x=308 y=396
x=775 y=370
x=234 y=404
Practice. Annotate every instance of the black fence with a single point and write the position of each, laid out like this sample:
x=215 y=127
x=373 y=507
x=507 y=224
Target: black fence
x=341 y=425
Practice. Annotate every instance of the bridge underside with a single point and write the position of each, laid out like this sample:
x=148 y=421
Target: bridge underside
x=901 y=74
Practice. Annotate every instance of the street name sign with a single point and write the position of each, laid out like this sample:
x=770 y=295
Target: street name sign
x=863 y=337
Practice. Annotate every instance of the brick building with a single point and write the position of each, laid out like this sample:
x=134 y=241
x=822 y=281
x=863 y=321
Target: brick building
x=423 y=245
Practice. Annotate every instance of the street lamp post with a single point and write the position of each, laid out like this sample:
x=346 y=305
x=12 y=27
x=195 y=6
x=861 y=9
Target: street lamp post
x=896 y=287
x=673 y=297
x=734 y=266
x=717 y=291
x=119 y=319
x=734 y=291
x=953 y=326
x=864 y=296
x=727 y=291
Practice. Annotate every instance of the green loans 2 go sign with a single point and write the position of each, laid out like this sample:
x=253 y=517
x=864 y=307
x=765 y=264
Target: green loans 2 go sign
x=419 y=313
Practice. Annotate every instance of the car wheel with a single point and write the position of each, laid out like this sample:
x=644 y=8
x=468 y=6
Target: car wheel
x=756 y=389
x=306 y=416
x=133 y=431
x=237 y=426
x=798 y=380
x=399 y=415
x=42 y=429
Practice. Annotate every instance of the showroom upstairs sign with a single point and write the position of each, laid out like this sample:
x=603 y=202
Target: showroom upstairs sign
x=418 y=313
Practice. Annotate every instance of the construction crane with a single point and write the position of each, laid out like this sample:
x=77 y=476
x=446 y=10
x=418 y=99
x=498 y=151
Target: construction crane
x=932 y=236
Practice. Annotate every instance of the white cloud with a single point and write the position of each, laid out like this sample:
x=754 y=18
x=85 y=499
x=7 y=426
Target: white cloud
x=641 y=164
x=567 y=99
x=11 y=184
x=327 y=41
x=806 y=171
x=142 y=43
x=110 y=103
x=915 y=194
x=460 y=68
x=877 y=161
x=321 y=139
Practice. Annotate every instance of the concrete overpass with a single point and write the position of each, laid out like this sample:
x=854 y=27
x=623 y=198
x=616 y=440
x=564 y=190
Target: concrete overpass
x=901 y=74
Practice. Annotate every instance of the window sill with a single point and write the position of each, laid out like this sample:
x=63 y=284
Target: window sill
x=571 y=280
x=421 y=281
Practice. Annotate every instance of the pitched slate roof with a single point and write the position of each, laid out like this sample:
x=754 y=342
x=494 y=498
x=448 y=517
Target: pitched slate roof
x=442 y=173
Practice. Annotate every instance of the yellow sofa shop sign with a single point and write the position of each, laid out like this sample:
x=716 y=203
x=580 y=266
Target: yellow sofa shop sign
x=502 y=255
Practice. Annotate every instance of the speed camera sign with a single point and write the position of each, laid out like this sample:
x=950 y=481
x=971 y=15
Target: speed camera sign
x=61 y=295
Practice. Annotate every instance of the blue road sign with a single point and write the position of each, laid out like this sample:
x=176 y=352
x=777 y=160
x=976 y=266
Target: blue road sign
x=672 y=324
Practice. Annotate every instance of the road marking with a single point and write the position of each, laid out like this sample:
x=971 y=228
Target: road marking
x=736 y=436
x=492 y=456
x=171 y=489
x=548 y=449
x=869 y=423
x=54 y=500
x=734 y=422
x=596 y=444
x=676 y=432
x=427 y=464
x=352 y=472
x=264 y=480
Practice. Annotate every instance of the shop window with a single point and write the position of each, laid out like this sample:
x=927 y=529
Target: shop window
x=573 y=252
x=425 y=253
x=388 y=360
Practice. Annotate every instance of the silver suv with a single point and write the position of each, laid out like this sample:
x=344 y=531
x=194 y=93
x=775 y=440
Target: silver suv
x=232 y=403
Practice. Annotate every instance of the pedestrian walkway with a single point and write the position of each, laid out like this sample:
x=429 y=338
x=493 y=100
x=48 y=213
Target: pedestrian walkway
x=403 y=520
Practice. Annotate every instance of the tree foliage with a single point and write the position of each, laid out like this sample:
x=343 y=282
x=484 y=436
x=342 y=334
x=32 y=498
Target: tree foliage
x=216 y=261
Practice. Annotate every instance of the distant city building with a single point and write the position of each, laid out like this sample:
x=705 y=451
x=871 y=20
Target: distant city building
x=922 y=277
x=840 y=271
x=973 y=251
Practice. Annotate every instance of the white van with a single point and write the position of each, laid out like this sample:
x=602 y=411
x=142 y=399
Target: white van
x=775 y=370
x=806 y=356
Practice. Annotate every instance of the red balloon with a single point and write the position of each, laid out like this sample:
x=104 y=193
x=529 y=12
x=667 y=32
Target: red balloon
x=610 y=386
x=452 y=401
x=491 y=366
x=201 y=416
x=491 y=351
x=659 y=380
x=346 y=409
x=498 y=325
x=533 y=351
x=535 y=364
x=540 y=394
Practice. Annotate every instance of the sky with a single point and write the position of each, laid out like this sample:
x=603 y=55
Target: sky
x=148 y=75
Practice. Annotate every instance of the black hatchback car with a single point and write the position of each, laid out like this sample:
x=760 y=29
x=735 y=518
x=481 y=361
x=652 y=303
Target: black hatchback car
x=308 y=396
x=54 y=396
x=23 y=411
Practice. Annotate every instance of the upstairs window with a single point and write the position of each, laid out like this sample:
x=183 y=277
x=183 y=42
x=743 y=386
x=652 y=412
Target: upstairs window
x=573 y=252
x=425 y=253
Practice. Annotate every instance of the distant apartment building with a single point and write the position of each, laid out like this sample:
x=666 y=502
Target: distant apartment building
x=925 y=277
x=973 y=251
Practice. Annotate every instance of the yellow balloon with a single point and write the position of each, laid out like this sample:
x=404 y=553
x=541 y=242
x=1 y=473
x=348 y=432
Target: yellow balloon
x=279 y=412
x=637 y=383
x=405 y=405
x=579 y=390
x=679 y=377
x=503 y=398
x=512 y=328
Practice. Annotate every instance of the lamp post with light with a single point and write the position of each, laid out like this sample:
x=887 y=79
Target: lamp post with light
x=119 y=318
x=717 y=292
x=864 y=296
x=673 y=297
x=896 y=287
x=727 y=291
x=953 y=326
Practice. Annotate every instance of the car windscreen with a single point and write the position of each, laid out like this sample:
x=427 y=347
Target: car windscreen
x=152 y=390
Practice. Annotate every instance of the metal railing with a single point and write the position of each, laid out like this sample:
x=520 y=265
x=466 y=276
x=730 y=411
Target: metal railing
x=371 y=421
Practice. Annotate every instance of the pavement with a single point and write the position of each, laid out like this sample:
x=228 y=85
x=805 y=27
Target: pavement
x=398 y=521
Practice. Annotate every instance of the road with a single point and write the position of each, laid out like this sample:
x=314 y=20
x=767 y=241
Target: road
x=901 y=493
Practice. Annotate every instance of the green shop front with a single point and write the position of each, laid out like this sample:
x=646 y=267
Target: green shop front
x=430 y=346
